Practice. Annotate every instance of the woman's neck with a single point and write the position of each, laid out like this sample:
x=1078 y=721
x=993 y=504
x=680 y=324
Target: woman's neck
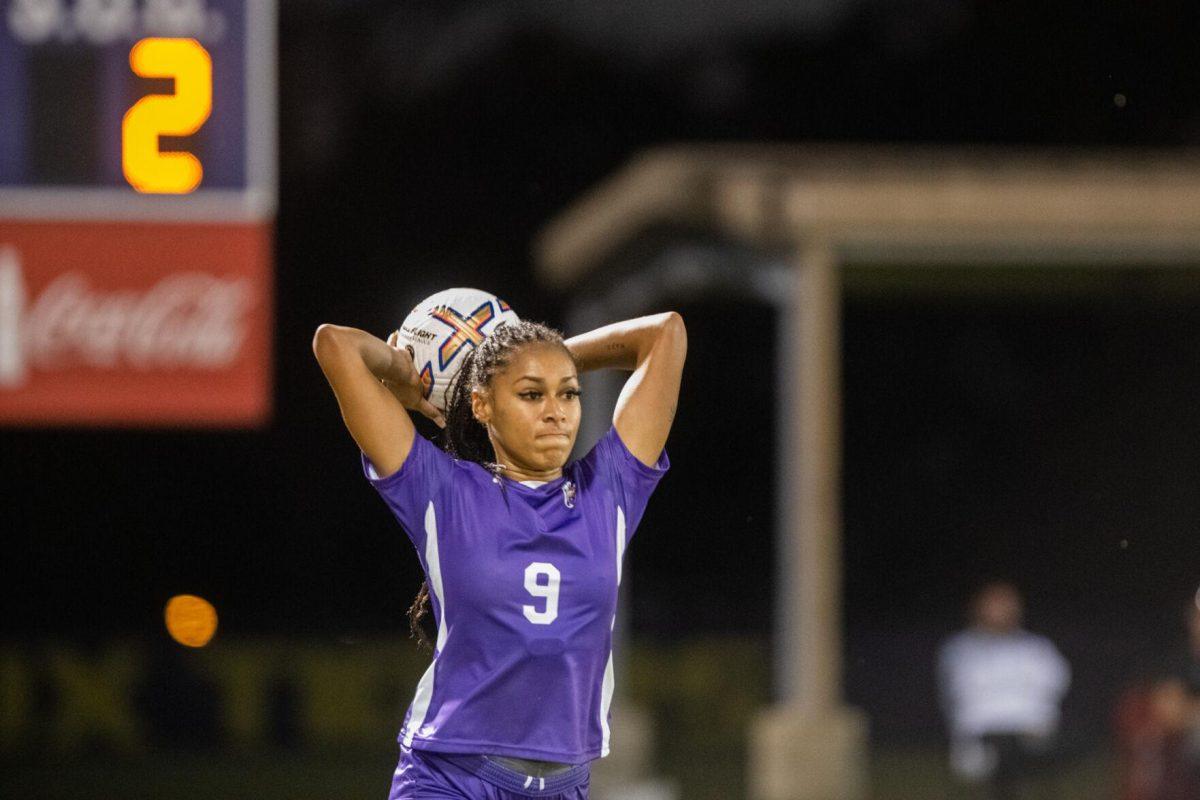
x=518 y=473
x=510 y=468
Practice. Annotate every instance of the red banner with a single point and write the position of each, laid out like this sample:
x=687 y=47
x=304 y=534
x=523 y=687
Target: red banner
x=135 y=323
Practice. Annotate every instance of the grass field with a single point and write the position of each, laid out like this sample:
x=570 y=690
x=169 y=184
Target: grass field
x=356 y=694
x=900 y=774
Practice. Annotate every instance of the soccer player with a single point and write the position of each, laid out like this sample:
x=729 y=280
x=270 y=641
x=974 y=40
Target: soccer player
x=522 y=552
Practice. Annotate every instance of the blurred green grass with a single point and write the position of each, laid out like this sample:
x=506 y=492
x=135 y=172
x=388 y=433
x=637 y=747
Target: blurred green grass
x=702 y=695
x=897 y=774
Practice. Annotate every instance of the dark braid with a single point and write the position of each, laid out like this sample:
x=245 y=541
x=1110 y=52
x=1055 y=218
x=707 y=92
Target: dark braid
x=464 y=437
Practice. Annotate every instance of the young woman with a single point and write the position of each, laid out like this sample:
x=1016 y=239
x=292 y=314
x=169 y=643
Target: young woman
x=522 y=552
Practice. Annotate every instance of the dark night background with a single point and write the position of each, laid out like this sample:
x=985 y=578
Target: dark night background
x=1047 y=439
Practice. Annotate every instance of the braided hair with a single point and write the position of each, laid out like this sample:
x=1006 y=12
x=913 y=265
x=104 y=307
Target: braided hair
x=464 y=437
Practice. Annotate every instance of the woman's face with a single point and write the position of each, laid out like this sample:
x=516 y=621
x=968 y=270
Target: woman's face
x=531 y=409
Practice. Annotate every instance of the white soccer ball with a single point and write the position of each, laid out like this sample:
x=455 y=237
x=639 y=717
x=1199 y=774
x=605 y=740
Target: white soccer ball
x=443 y=328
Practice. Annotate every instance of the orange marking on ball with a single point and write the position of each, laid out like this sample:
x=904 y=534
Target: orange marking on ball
x=191 y=620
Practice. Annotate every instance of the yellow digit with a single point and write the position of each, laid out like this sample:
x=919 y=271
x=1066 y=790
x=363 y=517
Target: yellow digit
x=147 y=168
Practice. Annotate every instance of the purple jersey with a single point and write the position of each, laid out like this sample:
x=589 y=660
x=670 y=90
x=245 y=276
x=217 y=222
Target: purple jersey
x=523 y=583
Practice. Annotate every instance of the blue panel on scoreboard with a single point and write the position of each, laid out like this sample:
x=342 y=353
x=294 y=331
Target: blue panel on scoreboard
x=67 y=84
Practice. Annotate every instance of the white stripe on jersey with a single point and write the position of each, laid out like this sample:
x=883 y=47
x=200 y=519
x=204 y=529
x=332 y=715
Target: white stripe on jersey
x=606 y=693
x=424 y=695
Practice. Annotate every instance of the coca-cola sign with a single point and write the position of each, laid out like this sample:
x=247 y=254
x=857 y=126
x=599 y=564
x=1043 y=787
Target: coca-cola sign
x=134 y=324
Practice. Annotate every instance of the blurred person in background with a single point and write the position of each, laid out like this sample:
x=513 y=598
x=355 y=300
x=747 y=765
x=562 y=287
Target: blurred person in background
x=522 y=551
x=1001 y=689
x=1158 y=727
x=1187 y=667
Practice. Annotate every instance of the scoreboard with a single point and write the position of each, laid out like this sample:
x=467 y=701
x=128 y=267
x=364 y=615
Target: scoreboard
x=137 y=204
x=98 y=94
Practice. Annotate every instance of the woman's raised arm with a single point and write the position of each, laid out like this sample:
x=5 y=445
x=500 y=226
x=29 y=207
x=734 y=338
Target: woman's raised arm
x=374 y=383
x=655 y=348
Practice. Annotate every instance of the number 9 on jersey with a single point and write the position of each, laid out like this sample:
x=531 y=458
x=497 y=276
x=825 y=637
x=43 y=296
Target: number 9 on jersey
x=542 y=580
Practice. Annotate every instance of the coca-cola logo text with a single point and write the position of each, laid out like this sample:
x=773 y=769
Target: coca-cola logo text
x=188 y=319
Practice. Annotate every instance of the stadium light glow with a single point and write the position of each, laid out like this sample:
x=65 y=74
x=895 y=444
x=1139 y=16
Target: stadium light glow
x=191 y=620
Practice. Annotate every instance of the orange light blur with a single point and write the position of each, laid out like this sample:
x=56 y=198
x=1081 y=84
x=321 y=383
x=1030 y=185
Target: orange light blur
x=191 y=620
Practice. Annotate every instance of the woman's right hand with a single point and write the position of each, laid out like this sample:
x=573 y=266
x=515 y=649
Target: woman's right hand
x=405 y=383
x=376 y=386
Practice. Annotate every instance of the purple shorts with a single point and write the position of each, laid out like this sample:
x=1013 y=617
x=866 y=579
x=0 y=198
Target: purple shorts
x=442 y=776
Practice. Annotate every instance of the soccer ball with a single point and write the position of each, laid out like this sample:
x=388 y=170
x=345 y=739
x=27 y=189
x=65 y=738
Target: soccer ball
x=443 y=328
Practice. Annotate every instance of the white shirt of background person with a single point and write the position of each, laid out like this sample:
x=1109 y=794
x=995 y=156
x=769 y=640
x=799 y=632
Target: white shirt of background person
x=996 y=678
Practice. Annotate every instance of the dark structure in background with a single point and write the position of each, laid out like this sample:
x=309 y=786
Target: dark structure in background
x=423 y=144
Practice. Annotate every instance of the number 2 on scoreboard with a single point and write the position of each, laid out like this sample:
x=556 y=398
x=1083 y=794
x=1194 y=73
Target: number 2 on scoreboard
x=147 y=167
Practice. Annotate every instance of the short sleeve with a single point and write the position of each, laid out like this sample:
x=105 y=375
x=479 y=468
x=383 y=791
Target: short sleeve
x=632 y=480
x=947 y=665
x=1056 y=668
x=409 y=490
